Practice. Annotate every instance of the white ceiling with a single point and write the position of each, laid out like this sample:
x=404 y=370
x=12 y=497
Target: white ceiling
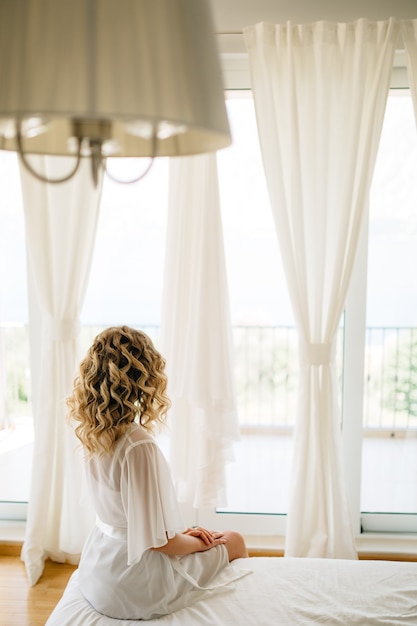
x=230 y=16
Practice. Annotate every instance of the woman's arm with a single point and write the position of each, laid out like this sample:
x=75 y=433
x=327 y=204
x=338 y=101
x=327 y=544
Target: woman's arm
x=191 y=540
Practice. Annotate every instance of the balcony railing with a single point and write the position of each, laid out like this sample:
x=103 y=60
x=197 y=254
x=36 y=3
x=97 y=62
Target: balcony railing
x=266 y=365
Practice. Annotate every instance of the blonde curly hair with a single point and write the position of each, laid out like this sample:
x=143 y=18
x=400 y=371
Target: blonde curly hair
x=121 y=380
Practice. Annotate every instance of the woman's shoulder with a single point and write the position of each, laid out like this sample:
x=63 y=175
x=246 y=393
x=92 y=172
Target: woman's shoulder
x=138 y=436
x=140 y=445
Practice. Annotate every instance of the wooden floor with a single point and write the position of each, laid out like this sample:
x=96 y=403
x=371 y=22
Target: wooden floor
x=22 y=605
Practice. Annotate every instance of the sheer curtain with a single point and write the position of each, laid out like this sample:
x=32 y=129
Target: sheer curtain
x=4 y=420
x=60 y=224
x=409 y=33
x=196 y=335
x=320 y=92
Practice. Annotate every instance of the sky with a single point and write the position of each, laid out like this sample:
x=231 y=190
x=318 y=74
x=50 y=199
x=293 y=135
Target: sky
x=126 y=277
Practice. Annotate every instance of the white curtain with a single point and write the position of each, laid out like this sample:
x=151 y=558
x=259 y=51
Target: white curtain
x=320 y=92
x=409 y=33
x=196 y=335
x=60 y=224
x=4 y=418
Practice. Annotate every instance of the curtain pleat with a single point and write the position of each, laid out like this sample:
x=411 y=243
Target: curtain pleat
x=409 y=33
x=60 y=223
x=320 y=92
x=196 y=335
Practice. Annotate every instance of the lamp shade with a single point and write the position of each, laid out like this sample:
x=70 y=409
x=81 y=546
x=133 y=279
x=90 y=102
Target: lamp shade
x=143 y=74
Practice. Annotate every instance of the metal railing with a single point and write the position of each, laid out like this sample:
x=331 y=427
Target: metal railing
x=390 y=394
x=266 y=366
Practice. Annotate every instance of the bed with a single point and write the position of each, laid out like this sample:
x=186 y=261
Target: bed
x=283 y=592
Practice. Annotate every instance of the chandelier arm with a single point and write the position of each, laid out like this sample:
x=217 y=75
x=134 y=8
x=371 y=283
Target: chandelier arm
x=132 y=180
x=41 y=177
x=142 y=174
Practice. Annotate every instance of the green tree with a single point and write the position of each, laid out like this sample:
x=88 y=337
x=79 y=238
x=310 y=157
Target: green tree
x=400 y=380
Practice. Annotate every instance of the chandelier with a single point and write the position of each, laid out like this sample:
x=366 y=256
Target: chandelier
x=109 y=78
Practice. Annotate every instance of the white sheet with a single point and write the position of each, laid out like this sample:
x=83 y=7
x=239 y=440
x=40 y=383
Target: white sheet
x=284 y=592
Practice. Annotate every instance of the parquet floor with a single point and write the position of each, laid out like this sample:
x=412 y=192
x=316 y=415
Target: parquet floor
x=22 y=605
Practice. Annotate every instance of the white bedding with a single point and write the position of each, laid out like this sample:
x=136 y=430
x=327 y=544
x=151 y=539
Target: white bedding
x=283 y=592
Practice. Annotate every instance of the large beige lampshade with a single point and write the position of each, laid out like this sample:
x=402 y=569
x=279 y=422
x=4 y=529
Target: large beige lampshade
x=132 y=65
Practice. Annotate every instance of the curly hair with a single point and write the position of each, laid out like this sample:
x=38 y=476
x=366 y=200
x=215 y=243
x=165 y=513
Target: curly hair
x=121 y=380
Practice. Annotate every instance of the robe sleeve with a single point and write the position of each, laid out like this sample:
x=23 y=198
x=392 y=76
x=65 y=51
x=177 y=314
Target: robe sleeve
x=149 y=499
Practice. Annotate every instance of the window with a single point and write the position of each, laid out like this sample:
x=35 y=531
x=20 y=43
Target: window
x=379 y=359
x=263 y=331
x=16 y=425
x=389 y=456
x=125 y=283
x=378 y=363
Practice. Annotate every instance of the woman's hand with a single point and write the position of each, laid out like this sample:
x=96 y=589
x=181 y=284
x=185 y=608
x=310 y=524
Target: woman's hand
x=209 y=538
x=192 y=540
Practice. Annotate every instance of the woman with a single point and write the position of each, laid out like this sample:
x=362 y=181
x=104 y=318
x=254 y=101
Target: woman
x=138 y=562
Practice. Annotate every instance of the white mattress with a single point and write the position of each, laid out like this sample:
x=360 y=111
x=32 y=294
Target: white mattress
x=283 y=591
